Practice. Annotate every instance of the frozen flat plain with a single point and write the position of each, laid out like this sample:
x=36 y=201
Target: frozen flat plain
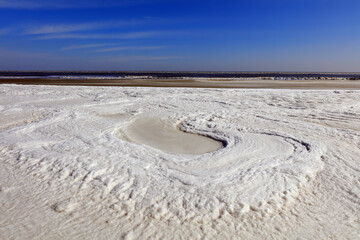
x=70 y=168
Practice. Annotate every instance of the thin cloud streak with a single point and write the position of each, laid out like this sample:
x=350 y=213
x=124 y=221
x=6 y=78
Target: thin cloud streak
x=68 y=4
x=49 y=29
x=68 y=28
x=4 y=31
x=129 y=48
x=138 y=58
x=39 y=4
x=19 y=4
x=133 y=35
x=85 y=46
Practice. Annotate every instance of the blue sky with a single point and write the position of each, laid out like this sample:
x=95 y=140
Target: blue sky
x=175 y=35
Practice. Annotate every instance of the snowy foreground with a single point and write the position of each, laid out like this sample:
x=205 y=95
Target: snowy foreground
x=289 y=167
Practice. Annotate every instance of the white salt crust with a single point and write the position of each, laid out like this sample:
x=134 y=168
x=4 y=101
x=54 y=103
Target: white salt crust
x=287 y=167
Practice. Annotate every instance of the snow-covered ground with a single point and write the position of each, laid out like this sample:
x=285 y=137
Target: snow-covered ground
x=289 y=166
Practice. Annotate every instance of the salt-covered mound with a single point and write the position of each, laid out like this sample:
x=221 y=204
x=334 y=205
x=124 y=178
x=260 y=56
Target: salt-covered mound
x=158 y=134
x=288 y=166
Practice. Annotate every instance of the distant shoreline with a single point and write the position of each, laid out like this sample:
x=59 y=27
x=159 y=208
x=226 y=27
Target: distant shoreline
x=254 y=83
x=272 y=80
x=180 y=74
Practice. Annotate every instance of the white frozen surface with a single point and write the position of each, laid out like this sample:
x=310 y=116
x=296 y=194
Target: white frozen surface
x=290 y=167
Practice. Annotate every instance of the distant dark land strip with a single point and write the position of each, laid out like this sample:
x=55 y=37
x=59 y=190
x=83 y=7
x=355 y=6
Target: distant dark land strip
x=193 y=83
x=178 y=75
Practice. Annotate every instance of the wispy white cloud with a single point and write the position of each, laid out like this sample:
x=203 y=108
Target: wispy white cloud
x=110 y=49
x=84 y=46
x=4 y=31
x=49 y=29
x=19 y=60
x=138 y=58
x=76 y=27
x=145 y=34
x=39 y=4
x=55 y=4
x=132 y=35
x=19 y=4
x=114 y=49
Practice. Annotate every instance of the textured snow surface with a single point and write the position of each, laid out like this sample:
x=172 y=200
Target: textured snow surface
x=289 y=167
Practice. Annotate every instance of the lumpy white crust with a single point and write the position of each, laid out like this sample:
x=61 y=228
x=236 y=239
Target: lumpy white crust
x=288 y=167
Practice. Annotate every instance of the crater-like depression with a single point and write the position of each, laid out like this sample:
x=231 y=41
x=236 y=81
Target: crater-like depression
x=158 y=134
